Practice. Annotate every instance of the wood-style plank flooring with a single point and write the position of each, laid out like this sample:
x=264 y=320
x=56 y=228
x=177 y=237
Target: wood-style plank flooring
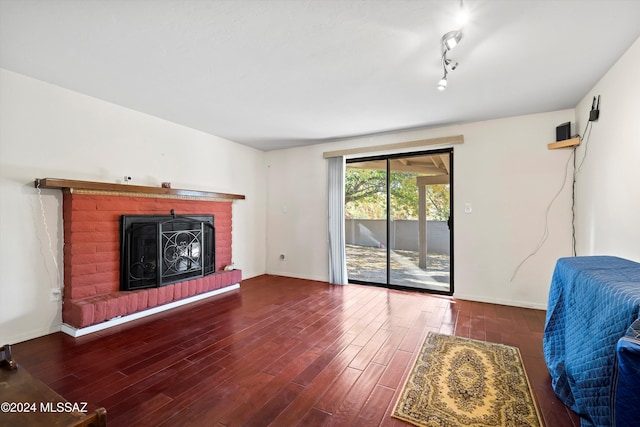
x=280 y=352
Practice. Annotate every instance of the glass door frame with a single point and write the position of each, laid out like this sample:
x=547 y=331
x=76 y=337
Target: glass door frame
x=450 y=222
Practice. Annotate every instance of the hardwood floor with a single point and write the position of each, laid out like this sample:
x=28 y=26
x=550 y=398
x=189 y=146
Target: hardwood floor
x=278 y=351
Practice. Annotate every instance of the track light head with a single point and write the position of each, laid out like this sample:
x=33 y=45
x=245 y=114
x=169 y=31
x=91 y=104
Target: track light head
x=442 y=84
x=463 y=14
x=451 y=40
x=450 y=64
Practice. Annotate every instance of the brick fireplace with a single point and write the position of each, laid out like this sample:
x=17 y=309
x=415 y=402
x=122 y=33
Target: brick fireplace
x=92 y=251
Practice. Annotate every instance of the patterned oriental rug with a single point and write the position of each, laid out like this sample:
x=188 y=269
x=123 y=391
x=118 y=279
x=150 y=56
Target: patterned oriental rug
x=462 y=382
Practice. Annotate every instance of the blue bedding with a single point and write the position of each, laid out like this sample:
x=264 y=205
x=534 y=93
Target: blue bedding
x=626 y=379
x=592 y=303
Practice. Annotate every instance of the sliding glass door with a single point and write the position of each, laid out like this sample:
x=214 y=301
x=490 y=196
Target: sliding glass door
x=397 y=221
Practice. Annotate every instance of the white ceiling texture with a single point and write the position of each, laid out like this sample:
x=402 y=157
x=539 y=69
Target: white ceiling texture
x=281 y=73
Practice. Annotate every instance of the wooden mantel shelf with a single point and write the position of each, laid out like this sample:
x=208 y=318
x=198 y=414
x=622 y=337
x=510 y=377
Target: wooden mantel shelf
x=105 y=187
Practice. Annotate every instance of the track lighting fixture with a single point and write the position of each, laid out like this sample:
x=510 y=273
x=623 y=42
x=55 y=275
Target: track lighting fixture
x=449 y=41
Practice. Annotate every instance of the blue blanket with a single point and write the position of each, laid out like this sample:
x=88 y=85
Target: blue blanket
x=626 y=379
x=592 y=303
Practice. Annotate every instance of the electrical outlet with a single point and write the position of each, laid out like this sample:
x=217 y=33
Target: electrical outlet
x=56 y=294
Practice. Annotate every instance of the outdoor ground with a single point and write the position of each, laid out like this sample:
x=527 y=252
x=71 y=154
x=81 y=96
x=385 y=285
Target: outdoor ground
x=369 y=264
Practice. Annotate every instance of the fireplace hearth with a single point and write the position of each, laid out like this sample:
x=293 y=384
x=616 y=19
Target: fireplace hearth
x=158 y=250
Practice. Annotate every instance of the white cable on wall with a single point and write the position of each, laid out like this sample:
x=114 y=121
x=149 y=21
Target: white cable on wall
x=586 y=133
x=545 y=234
x=59 y=282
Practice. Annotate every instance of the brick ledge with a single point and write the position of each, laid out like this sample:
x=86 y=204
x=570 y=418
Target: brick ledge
x=78 y=332
x=84 y=312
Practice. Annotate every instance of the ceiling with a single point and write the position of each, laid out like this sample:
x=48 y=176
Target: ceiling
x=282 y=73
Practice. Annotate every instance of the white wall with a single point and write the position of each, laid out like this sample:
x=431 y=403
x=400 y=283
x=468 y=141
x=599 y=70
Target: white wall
x=48 y=131
x=297 y=205
x=503 y=168
x=608 y=184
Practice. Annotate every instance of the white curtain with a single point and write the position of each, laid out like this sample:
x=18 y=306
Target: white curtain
x=337 y=256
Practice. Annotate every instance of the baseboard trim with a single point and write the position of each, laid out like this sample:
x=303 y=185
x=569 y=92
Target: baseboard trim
x=521 y=304
x=78 y=332
x=315 y=278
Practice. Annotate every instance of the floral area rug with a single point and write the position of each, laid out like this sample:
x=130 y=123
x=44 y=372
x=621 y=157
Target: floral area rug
x=462 y=382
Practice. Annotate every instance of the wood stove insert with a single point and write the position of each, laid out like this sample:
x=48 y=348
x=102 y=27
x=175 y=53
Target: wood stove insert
x=158 y=250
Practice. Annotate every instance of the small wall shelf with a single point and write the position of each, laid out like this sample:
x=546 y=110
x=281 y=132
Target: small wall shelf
x=567 y=143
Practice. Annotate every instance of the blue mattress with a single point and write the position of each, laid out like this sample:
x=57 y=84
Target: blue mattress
x=593 y=301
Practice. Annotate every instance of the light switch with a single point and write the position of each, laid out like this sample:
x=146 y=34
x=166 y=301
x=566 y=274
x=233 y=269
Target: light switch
x=467 y=208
